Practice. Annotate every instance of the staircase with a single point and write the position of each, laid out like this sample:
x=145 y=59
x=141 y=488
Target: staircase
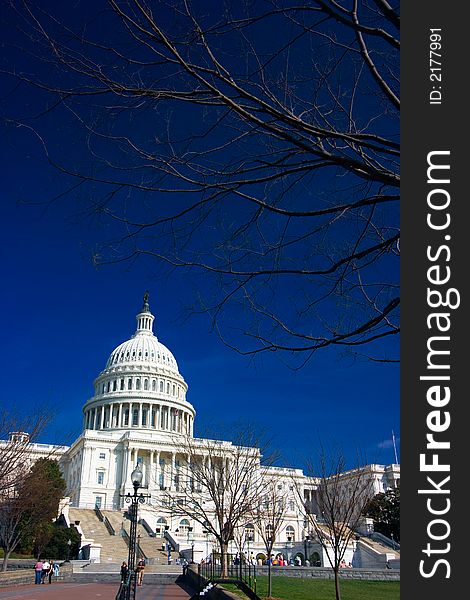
x=114 y=548
x=375 y=555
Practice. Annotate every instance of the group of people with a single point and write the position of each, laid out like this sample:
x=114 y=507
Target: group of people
x=45 y=569
x=139 y=571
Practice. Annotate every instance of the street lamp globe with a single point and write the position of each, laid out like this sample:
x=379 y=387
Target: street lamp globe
x=136 y=477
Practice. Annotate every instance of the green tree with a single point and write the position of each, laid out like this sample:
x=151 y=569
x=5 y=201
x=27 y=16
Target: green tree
x=57 y=546
x=384 y=509
x=27 y=510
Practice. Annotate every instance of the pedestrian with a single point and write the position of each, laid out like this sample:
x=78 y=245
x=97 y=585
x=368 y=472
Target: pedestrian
x=124 y=571
x=46 y=565
x=51 y=571
x=140 y=571
x=38 y=571
x=56 y=569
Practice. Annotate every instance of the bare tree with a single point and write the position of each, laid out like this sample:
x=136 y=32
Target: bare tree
x=256 y=143
x=218 y=485
x=16 y=437
x=268 y=516
x=334 y=511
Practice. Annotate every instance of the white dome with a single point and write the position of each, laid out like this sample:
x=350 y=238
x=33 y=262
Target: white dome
x=140 y=386
x=142 y=348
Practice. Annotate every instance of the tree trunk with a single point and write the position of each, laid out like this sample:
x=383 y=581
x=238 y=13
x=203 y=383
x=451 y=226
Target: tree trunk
x=224 y=560
x=270 y=580
x=6 y=556
x=337 y=588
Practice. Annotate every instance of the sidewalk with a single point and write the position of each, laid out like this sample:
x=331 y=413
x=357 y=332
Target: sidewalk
x=90 y=591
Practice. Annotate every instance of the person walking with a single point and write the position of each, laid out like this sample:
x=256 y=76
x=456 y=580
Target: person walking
x=38 y=571
x=140 y=571
x=124 y=571
x=56 y=569
x=46 y=566
x=51 y=570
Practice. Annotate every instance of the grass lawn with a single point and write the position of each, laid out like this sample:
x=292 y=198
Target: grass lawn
x=290 y=588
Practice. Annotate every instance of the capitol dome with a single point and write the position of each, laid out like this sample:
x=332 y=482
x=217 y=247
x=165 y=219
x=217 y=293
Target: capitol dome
x=140 y=386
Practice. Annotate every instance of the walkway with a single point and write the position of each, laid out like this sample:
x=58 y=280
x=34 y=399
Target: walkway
x=90 y=591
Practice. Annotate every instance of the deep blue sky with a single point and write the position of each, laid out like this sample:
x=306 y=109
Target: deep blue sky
x=62 y=317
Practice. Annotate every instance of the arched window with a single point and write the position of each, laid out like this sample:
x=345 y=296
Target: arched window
x=146 y=384
x=154 y=385
x=114 y=385
x=249 y=532
x=183 y=527
x=167 y=388
x=137 y=384
x=129 y=383
x=160 y=529
x=269 y=532
x=109 y=386
x=290 y=533
x=122 y=384
x=161 y=386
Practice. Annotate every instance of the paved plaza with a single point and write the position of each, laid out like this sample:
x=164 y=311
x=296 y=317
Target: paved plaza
x=90 y=591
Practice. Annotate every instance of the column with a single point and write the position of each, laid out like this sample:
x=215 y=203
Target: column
x=125 y=469
x=173 y=471
x=157 y=469
x=140 y=415
x=130 y=415
x=102 y=416
x=119 y=423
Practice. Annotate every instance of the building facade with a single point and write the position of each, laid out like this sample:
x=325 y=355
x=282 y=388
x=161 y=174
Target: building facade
x=139 y=415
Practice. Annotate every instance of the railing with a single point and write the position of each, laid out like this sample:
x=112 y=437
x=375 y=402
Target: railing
x=242 y=575
x=105 y=520
x=383 y=539
x=140 y=552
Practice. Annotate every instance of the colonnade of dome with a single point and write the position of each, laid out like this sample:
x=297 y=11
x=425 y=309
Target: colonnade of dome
x=140 y=387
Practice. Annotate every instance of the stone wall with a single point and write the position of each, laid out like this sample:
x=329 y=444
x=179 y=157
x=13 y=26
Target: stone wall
x=327 y=573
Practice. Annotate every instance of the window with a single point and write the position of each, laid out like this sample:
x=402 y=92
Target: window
x=154 y=385
x=160 y=529
x=102 y=455
x=153 y=418
x=135 y=416
x=114 y=386
x=100 y=478
x=137 y=384
x=290 y=533
x=129 y=383
x=146 y=384
x=167 y=388
x=122 y=384
x=144 y=417
x=161 y=386
x=184 y=526
x=126 y=417
x=98 y=501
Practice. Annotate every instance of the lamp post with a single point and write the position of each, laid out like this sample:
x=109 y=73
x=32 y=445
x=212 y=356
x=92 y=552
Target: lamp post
x=133 y=500
x=69 y=543
x=306 y=540
x=249 y=538
x=289 y=546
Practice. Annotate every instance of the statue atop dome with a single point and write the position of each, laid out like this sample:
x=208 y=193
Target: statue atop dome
x=146 y=307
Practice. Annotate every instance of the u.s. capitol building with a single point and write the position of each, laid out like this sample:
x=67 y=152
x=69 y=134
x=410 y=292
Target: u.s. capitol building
x=139 y=415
